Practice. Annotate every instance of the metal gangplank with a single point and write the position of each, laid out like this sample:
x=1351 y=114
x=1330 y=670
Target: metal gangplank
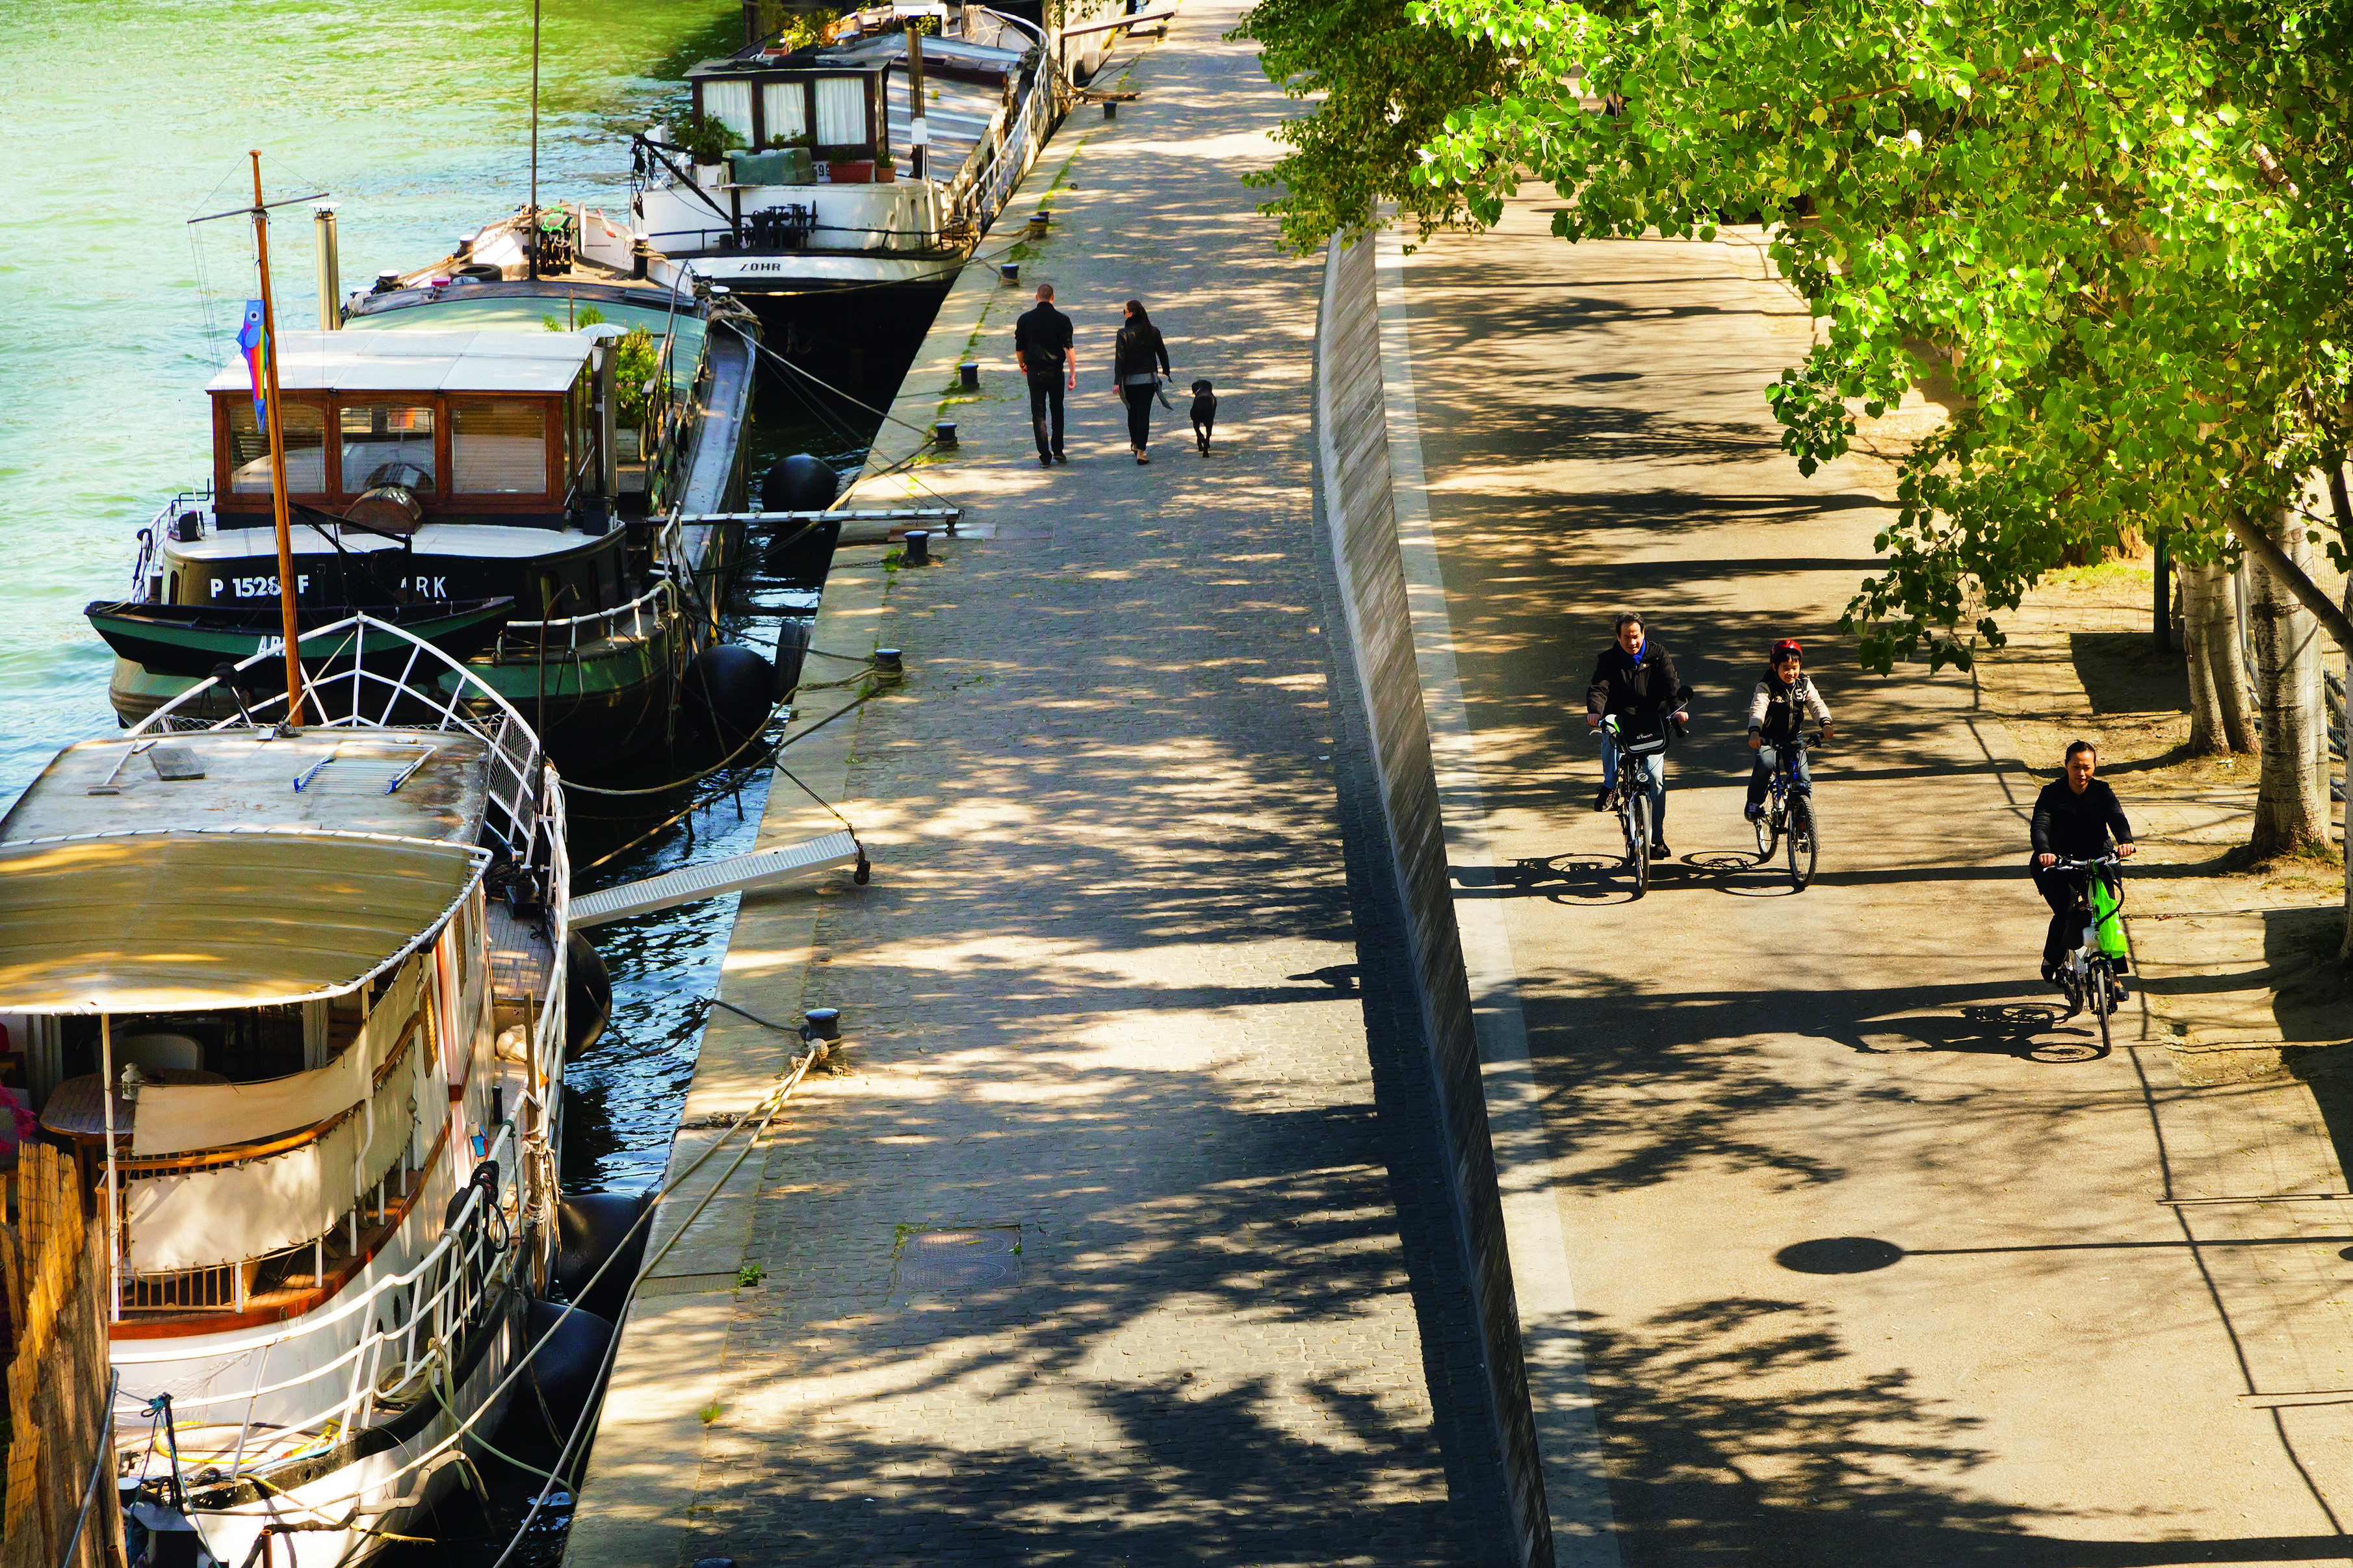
x=763 y=869
x=874 y=525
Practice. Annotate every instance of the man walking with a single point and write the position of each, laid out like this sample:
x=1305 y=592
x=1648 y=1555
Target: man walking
x=1041 y=347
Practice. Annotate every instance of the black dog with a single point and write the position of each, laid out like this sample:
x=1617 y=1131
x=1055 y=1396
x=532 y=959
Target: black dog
x=1205 y=414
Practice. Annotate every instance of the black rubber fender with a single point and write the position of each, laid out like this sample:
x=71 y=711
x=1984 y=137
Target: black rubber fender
x=725 y=699
x=560 y=1382
x=587 y=994
x=590 y=1230
x=799 y=483
x=792 y=654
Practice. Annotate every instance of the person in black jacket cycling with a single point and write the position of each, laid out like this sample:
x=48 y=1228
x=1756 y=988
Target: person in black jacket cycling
x=1634 y=682
x=2075 y=816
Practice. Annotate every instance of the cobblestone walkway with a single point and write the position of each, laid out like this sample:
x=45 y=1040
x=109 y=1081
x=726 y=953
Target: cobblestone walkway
x=1102 y=997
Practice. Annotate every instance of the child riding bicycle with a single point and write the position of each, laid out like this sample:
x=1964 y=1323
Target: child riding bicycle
x=1777 y=709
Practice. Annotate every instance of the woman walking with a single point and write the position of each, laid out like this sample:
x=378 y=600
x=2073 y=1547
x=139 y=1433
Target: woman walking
x=1134 y=355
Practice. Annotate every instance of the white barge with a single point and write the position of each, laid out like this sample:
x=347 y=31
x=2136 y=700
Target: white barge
x=298 y=1006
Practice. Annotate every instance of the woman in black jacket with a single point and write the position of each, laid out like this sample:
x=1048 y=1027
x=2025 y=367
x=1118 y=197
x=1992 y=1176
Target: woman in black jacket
x=1133 y=353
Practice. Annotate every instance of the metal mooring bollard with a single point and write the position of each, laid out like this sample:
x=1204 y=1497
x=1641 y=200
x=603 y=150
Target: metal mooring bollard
x=1011 y=272
x=919 y=548
x=969 y=376
x=1038 y=222
x=1111 y=109
x=944 y=435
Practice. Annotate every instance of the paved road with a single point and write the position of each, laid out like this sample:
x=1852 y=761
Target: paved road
x=2047 y=1373
x=1102 y=998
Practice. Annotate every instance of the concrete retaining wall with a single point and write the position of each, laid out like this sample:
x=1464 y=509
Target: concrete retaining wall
x=1355 y=487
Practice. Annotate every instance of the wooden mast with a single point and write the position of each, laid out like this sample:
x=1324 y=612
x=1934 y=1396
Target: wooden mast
x=277 y=434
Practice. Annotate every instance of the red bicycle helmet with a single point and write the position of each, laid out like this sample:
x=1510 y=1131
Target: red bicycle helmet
x=1786 y=645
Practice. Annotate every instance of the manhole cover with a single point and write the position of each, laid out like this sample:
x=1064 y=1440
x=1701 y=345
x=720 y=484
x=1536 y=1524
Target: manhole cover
x=974 y=1259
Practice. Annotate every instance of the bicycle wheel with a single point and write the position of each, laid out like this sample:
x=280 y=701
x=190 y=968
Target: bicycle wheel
x=2104 y=998
x=1803 y=840
x=1637 y=841
x=1768 y=833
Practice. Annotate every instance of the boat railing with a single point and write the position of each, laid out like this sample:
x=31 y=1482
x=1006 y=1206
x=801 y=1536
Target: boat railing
x=641 y=617
x=431 y=691
x=405 y=1322
x=985 y=195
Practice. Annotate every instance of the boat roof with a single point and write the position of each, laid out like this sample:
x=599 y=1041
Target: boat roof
x=464 y=361
x=248 y=782
x=178 y=921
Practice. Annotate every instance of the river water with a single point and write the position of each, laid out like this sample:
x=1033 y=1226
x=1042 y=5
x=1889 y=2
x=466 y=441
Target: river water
x=122 y=121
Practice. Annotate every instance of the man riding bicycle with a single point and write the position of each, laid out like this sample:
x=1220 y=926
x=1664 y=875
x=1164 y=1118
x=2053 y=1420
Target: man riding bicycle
x=2075 y=819
x=1634 y=682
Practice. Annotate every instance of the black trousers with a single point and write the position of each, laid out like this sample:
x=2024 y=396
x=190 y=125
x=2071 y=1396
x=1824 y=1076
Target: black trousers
x=2062 y=891
x=1139 y=414
x=1045 y=400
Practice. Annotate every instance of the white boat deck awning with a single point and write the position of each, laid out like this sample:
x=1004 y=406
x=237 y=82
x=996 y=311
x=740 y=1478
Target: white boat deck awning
x=174 y=922
x=516 y=360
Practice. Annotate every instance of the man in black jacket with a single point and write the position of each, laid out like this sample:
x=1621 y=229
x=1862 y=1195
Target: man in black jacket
x=2075 y=819
x=1634 y=682
x=1041 y=347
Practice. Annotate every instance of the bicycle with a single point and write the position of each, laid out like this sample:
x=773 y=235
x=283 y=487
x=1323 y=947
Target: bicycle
x=1790 y=810
x=1631 y=801
x=2090 y=972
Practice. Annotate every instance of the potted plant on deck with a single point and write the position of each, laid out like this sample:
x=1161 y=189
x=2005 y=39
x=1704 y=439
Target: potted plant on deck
x=707 y=141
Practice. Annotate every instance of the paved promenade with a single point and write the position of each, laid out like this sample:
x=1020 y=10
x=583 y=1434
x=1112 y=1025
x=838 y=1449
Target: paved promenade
x=1877 y=1262
x=1115 y=1237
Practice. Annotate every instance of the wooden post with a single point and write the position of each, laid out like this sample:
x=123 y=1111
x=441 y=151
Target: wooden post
x=277 y=483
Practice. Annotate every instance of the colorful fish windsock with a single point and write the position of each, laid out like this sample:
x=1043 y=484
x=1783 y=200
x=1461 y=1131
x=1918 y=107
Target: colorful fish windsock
x=249 y=339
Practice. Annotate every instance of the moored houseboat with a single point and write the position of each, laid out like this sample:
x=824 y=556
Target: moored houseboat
x=445 y=451
x=297 y=998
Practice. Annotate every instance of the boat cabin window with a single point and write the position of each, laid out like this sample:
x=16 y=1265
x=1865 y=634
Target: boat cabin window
x=305 y=425
x=380 y=439
x=841 y=112
x=730 y=103
x=783 y=105
x=498 y=448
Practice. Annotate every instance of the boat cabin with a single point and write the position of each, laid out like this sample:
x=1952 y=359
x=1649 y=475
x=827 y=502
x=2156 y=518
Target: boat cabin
x=289 y=991
x=491 y=426
x=832 y=102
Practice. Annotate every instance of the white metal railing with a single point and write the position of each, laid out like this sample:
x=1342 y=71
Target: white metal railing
x=644 y=616
x=452 y=697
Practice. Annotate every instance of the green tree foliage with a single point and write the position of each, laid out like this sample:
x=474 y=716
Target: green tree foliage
x=1386 y=84
x=2123 y=228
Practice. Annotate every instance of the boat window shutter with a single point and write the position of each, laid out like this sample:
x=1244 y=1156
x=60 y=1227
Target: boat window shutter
x=730 y=103
x=841 y=105
x=498 y=448
x=785 y=109
x=306 y=448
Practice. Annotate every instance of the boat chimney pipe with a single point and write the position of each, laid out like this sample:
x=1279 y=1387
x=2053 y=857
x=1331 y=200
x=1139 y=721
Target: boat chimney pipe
x=919 y=134
x=609 y=451
x=331 y=268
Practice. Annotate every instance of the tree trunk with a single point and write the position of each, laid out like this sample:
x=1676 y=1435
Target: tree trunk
x=2342 y=505
x=2221 y=711
x=2291 y=800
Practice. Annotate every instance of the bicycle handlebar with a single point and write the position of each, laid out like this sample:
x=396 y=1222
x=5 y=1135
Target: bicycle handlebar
x=2093 y=863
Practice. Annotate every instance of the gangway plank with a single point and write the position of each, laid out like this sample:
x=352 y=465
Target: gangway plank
x=738 y=873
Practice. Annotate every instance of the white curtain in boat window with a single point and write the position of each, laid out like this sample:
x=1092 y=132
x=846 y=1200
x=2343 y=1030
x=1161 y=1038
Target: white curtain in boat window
x=841 y=111
x=730 y=103
x=783 y=106
x=498 y=448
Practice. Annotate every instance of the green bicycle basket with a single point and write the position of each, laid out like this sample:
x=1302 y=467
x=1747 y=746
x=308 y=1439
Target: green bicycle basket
x=2107 y=915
